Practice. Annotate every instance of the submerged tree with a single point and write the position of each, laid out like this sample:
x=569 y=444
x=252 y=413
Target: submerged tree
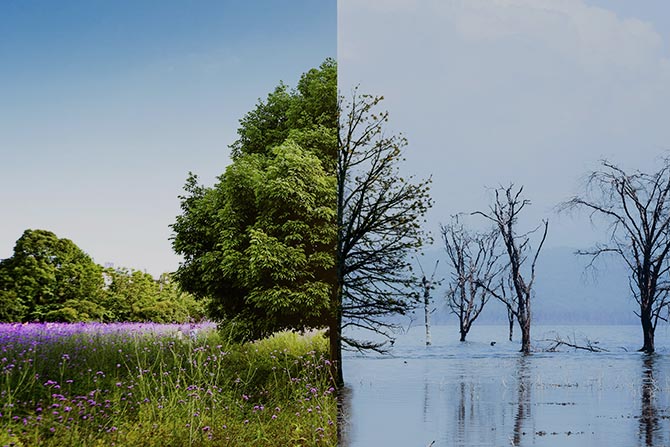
x=504 y=213
x=379 y=225
x=510 y=300
x=636 y=207
x=474 y=263
x=427 y=286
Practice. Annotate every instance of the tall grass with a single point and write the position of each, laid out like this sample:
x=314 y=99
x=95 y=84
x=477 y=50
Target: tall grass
x=161 y=385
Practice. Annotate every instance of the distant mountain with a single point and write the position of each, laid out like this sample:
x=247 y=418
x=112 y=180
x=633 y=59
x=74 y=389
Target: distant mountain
x=566 y=291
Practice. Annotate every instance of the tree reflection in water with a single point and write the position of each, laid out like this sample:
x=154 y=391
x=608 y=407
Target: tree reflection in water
x=468 y=415
x=343 y=412
x=523 y=398
x=649 y=418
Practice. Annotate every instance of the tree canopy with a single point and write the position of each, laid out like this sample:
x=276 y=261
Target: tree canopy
x=45 y=272
x=51 y=279
x=311 y=224
x=261 y=241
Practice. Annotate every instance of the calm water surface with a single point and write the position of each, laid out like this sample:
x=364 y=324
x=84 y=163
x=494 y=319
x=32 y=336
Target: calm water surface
x=475 y=394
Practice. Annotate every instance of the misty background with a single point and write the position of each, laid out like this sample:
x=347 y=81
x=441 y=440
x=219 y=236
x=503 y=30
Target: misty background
x=533 y=92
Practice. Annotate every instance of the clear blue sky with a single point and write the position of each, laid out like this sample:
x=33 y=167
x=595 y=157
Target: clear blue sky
x=106 y=105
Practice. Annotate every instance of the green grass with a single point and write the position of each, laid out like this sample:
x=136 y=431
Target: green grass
x=148 y=389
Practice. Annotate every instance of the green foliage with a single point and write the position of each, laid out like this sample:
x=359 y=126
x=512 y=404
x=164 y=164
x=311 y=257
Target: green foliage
x=128 y=293
x=11 y=306
x=43 y=274
x=51 y=279
x=129 y=388
x=261 y=242
x=134 y=296
x=311 y=107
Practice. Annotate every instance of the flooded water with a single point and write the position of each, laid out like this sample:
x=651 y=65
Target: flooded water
x=476 y=394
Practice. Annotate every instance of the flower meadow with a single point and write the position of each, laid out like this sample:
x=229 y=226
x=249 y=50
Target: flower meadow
x=130 y=384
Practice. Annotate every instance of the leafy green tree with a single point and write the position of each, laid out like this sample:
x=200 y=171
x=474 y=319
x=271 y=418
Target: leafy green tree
x=311 y=225
x=271 y=253
x=128 y=292
x=261 y=242
x=11 y=306
x=44 y=273
x=133 y=295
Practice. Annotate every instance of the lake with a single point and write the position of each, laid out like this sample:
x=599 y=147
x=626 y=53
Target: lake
x=476 y=394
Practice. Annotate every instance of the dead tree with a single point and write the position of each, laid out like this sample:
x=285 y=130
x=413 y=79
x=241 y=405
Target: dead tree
x=509 y=299
x=504 y=214
x=474 y=265
x=636 y=208
x=427 y=285
x=379 y=217
x=588 y=345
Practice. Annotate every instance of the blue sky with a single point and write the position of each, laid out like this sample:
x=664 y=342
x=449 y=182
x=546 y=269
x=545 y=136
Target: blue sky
x=106 y=106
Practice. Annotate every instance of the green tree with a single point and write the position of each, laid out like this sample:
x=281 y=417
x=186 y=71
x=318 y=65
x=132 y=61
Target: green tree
x=11 y=306
x=43 y=274
x=311 y=225
x=128 y=292
x=174 y=305
x=132 y=295
x=261 y=242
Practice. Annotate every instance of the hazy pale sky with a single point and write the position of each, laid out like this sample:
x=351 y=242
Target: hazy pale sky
x=533 y=92
x=106 y=105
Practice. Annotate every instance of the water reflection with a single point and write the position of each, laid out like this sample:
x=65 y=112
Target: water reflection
x=464 y=398
x=425 y=399
x=523 y=412
x=471 y=425
x=343 y=412
x=478 y=395
x=481 y=413
x=649 y=418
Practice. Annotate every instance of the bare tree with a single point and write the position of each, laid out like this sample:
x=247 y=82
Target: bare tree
x=510 y=300
x=428 y=285
x=504 y=213
x=379 y=217
x=474 y=265
x=636 y=208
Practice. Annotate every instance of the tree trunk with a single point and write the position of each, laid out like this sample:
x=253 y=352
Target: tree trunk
x=463 y=328
x=511 y=328
x=525 y=336
x=335 y=339
x=647 y=331
x=426 y=308
x=510 y=321
x=335 y=333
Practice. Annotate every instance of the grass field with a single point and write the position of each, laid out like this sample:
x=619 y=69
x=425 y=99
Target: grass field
x=161 y=385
